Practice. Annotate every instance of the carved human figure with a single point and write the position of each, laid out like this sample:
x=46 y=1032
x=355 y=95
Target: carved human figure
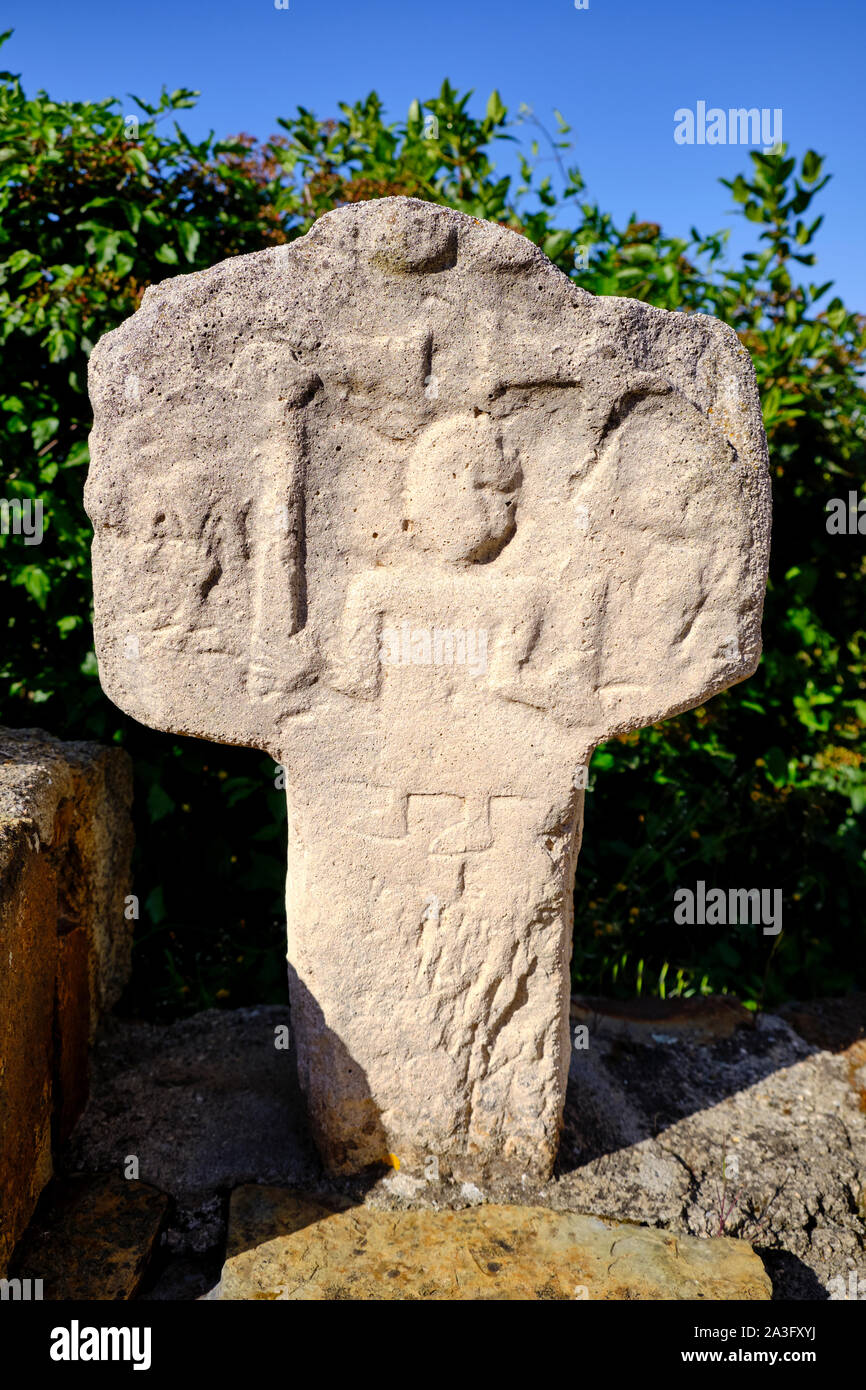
x=441 y=637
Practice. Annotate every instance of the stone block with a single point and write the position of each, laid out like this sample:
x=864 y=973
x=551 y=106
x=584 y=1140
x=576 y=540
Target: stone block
x=92 y=1238
x=65 y=944
x=298 y=1247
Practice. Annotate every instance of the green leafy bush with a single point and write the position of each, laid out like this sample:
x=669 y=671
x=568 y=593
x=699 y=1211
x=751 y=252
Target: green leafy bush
x=763 y=787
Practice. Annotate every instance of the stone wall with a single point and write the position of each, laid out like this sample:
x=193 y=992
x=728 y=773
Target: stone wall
x=65 y=944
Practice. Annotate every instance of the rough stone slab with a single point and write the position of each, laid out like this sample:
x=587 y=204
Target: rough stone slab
x=291 y=1246
x=831 y=1024
x=646 y=1019
x=92 y=1238
x=403 y=506
x=207 y=1104
x=65 y=848
x=651 y=1124
x=71 y=801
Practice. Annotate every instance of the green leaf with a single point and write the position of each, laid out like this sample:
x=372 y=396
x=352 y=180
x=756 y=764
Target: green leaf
x=189 y=238
x=495 y=110
x=61 y=343
x=19 y=259
x=79 y=454
x=43 y=430
x=777 y=765
x=555 y=244
x=812 y=164
x=35 y=581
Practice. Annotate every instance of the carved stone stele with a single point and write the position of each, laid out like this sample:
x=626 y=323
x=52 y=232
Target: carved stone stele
x=401 y=505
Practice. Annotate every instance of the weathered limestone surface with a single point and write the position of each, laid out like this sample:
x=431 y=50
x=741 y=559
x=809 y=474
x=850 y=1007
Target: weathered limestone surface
x=652 y=1115
x=291 y=1246
x=401 y=505
x=65 y=849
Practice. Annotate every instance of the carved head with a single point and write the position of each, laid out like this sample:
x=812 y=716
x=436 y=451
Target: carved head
x=461 y=491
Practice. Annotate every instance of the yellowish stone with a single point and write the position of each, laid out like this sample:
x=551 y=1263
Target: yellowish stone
x=287 y=1245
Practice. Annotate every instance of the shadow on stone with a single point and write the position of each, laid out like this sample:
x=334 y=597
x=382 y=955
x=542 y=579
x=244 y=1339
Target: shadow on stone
x=831 y=1024
x=91 y=1237
x=348 y=1135
x=791 y=1278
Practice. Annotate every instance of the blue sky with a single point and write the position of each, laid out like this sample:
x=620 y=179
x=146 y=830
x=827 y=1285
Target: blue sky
x=617 y=70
